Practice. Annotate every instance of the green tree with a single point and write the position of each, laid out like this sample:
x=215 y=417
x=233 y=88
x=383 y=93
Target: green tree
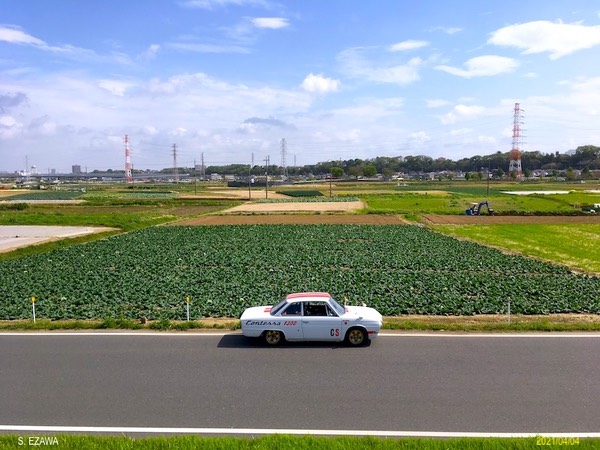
x=585 y=173
x=387 y=172
x=369 y=170
x=337 y=172
x=355 y=171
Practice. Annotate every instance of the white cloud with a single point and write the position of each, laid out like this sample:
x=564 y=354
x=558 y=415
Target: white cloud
x=9 y=127
x=17 y=36
x=436 y=103
x=460 y=131
x=408 y=45
x=557 y=38
x=115 y=87
x=179 y=132
x=14 y=35
x=212 y=4
x=352 y=135
x=482 y=66
x=198 y=47
x=272 y=23
x=356 y=65
x=150 y=52
x=447 y=30
x=419 y=137
x=483 y=139
x=460 y=112
x=320 y=84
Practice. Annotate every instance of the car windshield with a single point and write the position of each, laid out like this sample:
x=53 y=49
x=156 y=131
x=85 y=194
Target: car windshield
x=338 y=308
x=275 y=309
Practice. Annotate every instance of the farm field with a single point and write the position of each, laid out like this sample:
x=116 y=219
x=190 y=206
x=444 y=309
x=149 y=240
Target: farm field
x=401 y=273
x=575 y=245
x=396 y=269
x=447 y=202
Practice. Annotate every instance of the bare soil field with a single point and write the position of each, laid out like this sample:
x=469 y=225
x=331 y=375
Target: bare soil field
x=291 y=219
x=233 y=193
x=295 y=207
x=15 y=236
x=437 y=219
x=10 y=192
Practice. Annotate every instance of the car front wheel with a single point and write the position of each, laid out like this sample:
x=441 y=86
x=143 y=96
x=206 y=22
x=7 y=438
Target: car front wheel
x=356 y=337
x=273 y=337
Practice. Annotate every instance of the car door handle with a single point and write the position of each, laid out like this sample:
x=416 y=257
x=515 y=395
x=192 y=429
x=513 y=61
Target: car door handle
x=305 y=321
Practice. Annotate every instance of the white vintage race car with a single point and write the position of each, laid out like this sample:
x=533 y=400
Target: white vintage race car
x=311 y=316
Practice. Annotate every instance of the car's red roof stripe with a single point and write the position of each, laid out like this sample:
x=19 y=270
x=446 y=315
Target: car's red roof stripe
x=309 y=294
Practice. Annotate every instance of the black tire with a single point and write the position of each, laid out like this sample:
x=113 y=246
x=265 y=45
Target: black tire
x=273 y=337
x=357 y=337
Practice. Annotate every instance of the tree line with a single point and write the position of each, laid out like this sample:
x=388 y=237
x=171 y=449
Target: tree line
x=583 y=158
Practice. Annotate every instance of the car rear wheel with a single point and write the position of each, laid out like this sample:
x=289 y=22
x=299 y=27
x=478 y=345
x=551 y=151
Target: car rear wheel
x=273 y=337
x=356 y=337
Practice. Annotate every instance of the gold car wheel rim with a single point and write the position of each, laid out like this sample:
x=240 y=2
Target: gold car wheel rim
x=356 y=337
x=273 y=337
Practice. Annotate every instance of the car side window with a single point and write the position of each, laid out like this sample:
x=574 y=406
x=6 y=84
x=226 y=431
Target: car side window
x=330 y=311
x=294 y=309
x=315 y=309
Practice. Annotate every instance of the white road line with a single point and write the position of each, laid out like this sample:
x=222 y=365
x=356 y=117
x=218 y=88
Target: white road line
x=291 y=431
x=444 y=335
x=116 y=333
x=541 y=334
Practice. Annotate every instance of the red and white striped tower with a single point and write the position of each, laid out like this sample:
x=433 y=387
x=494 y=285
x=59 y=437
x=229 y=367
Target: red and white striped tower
x=515 y=154
x=128 y=166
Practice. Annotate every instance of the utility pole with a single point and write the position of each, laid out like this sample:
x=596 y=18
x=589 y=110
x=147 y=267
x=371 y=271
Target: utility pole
x=488 y=179
x=250 y=177
x=195 y=178
x=284 y=158
x=202 y=170
x=267 y=177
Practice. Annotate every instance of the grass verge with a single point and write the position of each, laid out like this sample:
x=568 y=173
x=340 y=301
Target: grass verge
x=283 y=442
x=487 y=323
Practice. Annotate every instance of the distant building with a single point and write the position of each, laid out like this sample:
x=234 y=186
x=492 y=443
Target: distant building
x=76 y=169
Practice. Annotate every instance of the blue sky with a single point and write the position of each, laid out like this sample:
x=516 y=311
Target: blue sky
x=338 y=79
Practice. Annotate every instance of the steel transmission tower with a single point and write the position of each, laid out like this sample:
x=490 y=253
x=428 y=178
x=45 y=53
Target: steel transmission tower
x=515 y=154
x=284 y=158
x=128 y=165
x=175 y=169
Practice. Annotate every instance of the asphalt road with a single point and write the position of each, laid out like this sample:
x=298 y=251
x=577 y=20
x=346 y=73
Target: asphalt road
x=489 y=384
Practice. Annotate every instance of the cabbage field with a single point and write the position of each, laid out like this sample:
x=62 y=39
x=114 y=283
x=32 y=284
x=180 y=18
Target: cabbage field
x=224 y=269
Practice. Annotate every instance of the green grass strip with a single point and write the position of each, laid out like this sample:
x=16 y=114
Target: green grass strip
x=283 y=442
x=519 y=323
x=575 y=245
